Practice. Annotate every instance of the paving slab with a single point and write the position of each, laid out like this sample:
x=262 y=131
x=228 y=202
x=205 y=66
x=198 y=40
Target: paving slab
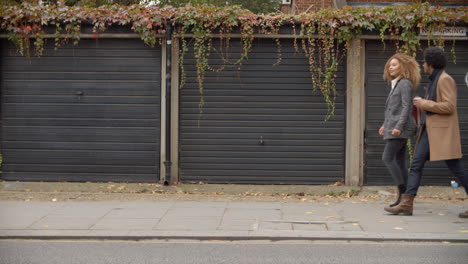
x=253 y=206
x=13 y=222
x=136 y=213
x=153 y=205
x=125 y=224
x=265 y=225
x=199 y=205
x=189 y=223
x=344 y=227
x=64 y=223
x=195 y=211
x=309 y=227
x=238 y=225
x=331 y=219
x=241 y=213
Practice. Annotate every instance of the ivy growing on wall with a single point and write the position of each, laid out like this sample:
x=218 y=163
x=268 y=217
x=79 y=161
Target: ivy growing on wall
x=323 y=35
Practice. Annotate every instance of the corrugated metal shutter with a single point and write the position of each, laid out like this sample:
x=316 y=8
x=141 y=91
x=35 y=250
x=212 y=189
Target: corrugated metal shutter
x=84 y=113
x=256 y=103
x=435 y=173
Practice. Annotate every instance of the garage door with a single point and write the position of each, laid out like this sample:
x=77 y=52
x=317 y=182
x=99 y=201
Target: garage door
x=435 y=173
x=261 y=123
x=84 y=113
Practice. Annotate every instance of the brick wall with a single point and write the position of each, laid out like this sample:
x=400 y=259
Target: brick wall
x=299 y=6
x=303 y=5
x=408 y=1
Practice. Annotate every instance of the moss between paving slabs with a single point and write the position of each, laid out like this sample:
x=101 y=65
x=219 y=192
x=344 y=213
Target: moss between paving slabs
x=66 y=191
x=213 y=189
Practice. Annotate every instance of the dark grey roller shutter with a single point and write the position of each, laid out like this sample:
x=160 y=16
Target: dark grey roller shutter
x=261 y=123
x=84 y=113
x=435 y=173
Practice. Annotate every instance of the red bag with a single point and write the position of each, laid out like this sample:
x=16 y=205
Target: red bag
x=416 y=114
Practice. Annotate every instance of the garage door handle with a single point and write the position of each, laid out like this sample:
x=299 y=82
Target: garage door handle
x=261 y=141
x=79 y=93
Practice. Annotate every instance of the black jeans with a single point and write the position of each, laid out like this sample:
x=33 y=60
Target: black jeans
x=421 y=156
x=394 y=157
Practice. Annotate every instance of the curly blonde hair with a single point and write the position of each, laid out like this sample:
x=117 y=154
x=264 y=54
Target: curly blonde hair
x=410 y=69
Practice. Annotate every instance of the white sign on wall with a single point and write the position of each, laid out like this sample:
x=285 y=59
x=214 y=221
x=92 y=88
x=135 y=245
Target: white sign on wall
x=447 y=31
x=466 y=79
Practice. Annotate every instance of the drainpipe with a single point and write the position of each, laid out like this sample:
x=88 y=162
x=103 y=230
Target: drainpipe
x=167 y=162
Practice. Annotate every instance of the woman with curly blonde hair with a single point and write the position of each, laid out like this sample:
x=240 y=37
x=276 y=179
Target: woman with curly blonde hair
x=404 y=74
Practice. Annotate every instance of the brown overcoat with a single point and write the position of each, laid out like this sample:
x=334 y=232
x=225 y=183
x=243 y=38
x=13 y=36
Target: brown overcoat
x=442 y=127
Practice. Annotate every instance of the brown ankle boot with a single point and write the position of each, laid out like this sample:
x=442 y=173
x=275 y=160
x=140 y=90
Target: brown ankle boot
x=404 y=208
x=401 y=189
x=463 y=214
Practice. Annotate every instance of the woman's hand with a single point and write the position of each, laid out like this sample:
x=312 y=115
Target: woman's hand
x=381 y=130
x=396 y=132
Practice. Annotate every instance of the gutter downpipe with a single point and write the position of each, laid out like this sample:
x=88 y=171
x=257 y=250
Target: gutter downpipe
x=167 y=161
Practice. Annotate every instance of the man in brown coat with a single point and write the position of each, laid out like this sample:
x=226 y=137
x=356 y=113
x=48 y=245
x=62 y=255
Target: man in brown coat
x=439 y=135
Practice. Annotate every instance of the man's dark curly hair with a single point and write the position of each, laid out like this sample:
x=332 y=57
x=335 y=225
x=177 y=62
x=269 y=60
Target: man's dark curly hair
x=435 y=57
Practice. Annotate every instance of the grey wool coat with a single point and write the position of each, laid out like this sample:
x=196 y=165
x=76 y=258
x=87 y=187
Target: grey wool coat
x=398 y=111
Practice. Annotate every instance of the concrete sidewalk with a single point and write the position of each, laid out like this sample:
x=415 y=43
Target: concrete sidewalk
x=322 y=219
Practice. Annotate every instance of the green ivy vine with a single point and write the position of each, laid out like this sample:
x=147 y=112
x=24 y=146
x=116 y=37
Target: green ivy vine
x=324 y=35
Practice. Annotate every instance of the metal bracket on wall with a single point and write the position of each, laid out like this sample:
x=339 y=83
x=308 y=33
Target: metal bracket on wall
x=79 y=94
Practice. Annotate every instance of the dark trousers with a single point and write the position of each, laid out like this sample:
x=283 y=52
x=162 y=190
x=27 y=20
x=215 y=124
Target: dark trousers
x=420 y=157
x=394 y=157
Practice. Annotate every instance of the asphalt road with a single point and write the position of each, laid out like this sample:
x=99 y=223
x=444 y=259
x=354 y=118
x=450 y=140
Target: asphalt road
x=212 y=252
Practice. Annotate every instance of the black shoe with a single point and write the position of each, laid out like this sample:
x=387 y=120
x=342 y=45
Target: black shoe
x=401 y=190
x=463 y=214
